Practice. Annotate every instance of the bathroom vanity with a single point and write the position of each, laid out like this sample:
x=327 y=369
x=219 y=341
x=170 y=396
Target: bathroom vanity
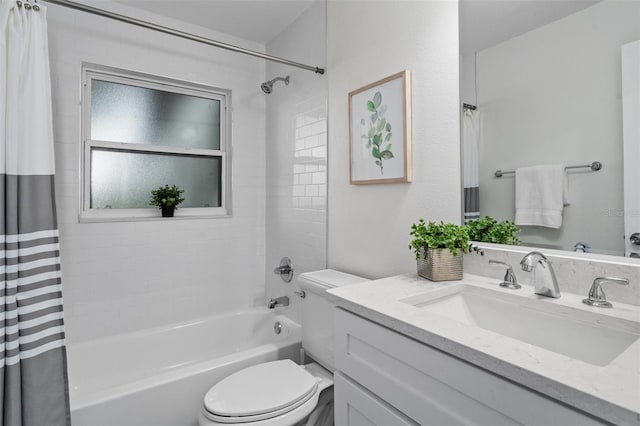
x=411 y=351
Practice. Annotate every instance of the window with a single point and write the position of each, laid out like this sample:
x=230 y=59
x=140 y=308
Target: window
x=141 y=132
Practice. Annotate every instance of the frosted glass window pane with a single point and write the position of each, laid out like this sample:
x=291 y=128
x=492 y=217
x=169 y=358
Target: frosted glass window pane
x=124 y=180
x=124 y=113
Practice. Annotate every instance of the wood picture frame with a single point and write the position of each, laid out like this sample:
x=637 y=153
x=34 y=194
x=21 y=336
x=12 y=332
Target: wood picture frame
x=380 y=131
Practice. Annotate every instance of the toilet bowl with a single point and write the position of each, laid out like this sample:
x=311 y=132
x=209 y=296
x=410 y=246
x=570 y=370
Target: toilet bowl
x=283 y=393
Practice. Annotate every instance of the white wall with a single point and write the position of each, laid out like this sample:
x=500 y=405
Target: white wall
x=553 y=96
x=124 y=276
x=368 y=40
x=296 y=152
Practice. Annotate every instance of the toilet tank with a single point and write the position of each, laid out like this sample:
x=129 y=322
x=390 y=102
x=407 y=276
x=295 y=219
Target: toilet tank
x=317 y=312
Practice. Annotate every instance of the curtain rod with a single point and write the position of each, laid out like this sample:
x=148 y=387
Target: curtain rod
x=182 y=34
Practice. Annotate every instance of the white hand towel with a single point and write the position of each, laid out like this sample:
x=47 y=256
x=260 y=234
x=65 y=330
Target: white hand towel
x=541 y=194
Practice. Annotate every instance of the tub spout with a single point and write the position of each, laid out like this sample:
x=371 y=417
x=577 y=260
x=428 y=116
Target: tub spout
x=278 y=301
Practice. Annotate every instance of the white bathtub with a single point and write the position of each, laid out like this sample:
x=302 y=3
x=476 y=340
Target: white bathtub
x=159 y=376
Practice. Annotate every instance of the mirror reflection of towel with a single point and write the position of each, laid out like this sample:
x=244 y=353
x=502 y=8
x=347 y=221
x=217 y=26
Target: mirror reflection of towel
x=541 y=194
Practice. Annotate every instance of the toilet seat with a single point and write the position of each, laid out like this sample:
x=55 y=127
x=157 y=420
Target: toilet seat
x=262 y=392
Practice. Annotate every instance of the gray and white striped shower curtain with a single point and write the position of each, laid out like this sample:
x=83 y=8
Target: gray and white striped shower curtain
x=470 y=166
x=33 y=372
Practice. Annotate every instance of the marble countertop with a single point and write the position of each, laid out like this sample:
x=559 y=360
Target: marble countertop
x=610 y=392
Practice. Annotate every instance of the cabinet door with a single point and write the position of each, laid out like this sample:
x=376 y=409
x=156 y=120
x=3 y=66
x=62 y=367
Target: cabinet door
x=434 y=388
x=355 y=406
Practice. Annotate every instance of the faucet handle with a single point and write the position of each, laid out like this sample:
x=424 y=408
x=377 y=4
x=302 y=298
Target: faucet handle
x=596 y=294
x=510 y=280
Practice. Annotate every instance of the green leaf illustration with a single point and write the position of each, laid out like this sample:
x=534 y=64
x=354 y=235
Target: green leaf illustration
x=382 y=110
x=388 y=138
x=388 y=127
x=387 y=155
x=374 y=117
x=377 y=139
x=375 y=152
x=369 y=144
x=372 y=131
x=377 y=99
x=378 y=163
x=388 y=148
x=381 y=124
x=370 y=106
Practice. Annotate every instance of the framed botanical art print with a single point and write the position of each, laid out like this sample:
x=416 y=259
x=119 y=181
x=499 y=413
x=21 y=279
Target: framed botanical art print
x=380 y=131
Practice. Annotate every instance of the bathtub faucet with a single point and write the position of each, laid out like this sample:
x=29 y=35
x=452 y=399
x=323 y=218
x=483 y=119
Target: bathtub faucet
x=278 y=301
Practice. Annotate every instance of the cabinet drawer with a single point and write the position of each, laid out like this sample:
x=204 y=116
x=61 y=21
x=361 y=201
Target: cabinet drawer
x=432 y=387
x=355 y=406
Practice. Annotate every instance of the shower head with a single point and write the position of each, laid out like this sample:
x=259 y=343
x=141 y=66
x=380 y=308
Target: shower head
x=267 y=86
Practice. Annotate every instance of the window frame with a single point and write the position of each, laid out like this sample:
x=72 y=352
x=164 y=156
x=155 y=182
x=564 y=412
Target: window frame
x=92 y=72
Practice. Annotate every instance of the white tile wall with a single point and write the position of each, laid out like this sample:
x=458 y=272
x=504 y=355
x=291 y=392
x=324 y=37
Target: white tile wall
x=297 y=155
x=124 y=276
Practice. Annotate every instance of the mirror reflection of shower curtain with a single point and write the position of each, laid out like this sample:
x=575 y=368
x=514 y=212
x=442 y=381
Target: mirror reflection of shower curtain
x=33 y=370
x=470 y=167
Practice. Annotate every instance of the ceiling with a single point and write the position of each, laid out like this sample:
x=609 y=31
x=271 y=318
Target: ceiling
x=255 y=20
x=483 y=23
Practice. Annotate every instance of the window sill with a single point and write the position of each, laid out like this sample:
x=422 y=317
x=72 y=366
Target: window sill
x=137 y=215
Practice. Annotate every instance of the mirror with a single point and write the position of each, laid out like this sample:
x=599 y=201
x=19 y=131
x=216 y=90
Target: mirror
x=546 y=80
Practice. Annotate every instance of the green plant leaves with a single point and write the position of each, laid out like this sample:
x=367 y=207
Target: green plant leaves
x=379 y=130
x=167 y=196
x=442 y=235
x=489 y=230
x=377 y=99
x=376 y=153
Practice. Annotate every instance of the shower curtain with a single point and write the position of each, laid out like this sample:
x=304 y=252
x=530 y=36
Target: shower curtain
x=470 y=171
x=33 y=372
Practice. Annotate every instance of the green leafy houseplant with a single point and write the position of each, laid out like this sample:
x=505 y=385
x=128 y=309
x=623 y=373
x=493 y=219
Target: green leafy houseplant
x=442 y=235
x=167 y=198
x=438 y=248
x=489 y=230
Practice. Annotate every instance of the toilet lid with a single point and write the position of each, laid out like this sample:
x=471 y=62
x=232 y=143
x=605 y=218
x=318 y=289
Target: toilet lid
x=260 y=389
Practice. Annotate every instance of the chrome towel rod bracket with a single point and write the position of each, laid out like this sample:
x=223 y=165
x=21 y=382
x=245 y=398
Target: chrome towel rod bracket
x=595 y=166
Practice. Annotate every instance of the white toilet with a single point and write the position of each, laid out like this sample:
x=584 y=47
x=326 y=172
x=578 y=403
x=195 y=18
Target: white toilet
x=283 y=393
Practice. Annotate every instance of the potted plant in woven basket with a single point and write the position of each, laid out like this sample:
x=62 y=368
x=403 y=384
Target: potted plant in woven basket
x=167 y=198
x=438 y=248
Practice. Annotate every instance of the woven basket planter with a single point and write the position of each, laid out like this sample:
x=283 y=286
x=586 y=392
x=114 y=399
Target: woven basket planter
x=440 y=265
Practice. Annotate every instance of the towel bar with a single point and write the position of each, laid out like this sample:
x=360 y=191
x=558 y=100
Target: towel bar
x=595 y=166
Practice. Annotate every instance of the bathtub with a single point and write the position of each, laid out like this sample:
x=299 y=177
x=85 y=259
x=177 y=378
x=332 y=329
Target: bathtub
x=159 y=376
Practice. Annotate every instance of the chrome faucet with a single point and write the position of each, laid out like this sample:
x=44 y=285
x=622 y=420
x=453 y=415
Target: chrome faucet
x=548 y=287
x=278 y=301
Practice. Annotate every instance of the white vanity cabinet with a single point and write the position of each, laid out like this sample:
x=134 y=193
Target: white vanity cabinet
x=385 y=378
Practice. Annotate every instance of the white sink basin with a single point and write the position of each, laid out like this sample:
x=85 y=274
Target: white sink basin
x=590 y=337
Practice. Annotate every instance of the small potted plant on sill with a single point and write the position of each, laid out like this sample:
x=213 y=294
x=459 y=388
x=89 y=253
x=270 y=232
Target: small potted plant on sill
x=167 y=198
x=489 y=230
x=439 y=248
